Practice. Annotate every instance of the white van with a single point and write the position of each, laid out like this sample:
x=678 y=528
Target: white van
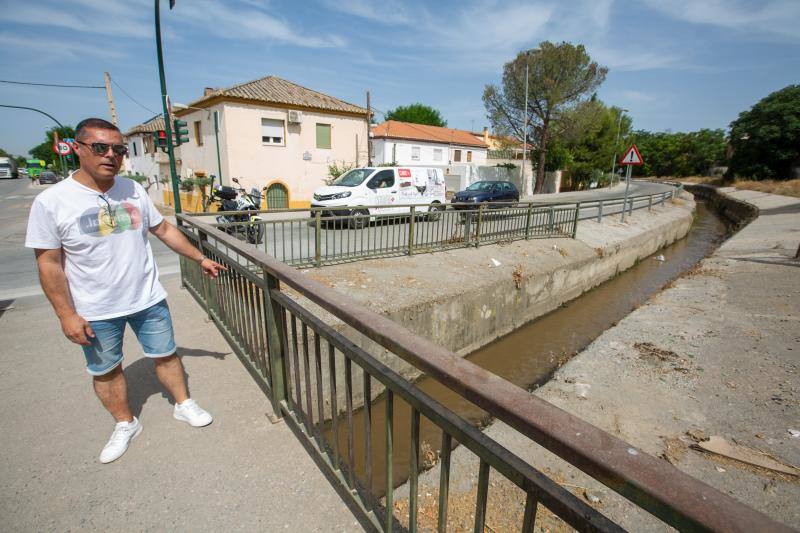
x=375 y=191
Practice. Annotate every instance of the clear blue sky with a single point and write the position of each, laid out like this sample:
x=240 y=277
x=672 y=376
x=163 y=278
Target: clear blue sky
x=677 y=65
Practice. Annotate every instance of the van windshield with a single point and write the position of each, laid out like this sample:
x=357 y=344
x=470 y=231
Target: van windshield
x=353 y=178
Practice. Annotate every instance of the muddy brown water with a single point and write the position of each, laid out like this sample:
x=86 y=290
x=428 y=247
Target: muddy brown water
x=529 y=356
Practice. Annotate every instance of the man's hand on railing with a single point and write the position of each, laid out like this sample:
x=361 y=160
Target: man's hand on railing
x=211 y=268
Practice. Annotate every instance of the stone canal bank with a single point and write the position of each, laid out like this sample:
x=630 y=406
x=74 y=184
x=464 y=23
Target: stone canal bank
x=465 y=298
x=716 y=353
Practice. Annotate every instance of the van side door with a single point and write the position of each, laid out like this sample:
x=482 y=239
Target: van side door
x=383 y=191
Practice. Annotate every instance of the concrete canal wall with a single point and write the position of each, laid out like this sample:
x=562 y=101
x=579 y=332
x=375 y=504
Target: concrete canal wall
x=465 y=298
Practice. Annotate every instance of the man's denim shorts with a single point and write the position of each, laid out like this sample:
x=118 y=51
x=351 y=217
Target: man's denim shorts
x=152 y=326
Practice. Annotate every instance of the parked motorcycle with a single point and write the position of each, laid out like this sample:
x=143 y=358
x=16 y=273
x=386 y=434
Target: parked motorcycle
x=246 y=226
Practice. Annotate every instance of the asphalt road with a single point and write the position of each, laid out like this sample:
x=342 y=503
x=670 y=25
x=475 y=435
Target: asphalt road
x=18 y=275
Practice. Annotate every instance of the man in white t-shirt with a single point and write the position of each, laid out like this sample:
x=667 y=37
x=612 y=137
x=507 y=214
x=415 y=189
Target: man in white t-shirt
x=90 y=235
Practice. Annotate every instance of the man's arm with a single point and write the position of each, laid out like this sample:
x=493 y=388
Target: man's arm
x=54 y=284
x=178 y=243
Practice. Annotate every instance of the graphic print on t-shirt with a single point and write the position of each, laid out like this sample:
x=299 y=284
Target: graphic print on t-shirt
x=106 y=220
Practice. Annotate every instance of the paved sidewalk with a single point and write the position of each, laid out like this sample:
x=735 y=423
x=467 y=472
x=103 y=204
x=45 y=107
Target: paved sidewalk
x=240 y=473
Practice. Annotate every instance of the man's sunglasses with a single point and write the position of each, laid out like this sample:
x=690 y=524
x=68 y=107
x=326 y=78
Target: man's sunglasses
x=102 y=148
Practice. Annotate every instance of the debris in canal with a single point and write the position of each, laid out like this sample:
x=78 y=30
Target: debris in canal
x=731 y=450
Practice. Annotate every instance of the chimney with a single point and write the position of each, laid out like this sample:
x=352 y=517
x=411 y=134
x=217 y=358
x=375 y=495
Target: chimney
x=208 y=90
x=486 y=134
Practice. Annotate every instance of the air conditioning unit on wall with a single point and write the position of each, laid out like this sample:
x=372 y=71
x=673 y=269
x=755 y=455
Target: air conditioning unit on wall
x=295 y=117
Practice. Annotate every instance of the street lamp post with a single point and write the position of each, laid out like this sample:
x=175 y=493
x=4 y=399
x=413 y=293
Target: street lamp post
x=616 y=143
x=48 y=115
x=167 y=126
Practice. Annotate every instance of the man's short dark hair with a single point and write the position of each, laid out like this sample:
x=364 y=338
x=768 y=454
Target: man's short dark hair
x=93 y=123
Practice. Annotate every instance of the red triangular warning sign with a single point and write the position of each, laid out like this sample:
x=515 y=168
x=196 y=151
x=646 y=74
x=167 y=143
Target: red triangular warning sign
x=631 y=157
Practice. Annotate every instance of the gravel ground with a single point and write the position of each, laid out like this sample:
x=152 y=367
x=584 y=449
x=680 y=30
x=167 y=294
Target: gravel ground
x=715 y=353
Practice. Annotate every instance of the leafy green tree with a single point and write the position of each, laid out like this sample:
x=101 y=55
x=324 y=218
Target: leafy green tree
x=417 y=114
x=593 y=134
x=3 y=153
x=765 y=140
x=560 y=76
x=679 y=154
x=44 y=151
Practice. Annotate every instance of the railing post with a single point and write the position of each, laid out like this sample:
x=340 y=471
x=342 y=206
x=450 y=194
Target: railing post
x=575 y=220
x=411 y=230
x=552 y=221
x=650 y=203
x=600 y=212
x=478 y=225
x=467 y=228
x=202 y=238
x=318 y=239
x=528 y=221
x=274 y=316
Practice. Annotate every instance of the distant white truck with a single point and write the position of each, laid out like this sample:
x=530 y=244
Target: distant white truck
x=375 y=191
x=8 y=168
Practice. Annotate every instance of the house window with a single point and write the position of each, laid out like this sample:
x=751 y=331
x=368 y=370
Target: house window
x=198 y=133
x=456 y=155
x=147 y=144
x=324 y=136
x=437 y=154
x=135 y=152
x=272 y=132
x=469 y=156
x=415 y=153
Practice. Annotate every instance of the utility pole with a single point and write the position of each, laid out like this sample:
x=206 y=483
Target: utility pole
x=369 y=132
x=176 y=194
x=528 y=183
x=112 y=109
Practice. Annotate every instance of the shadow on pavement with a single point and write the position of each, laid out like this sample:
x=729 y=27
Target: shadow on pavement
x=143 y=382
x=5 y=305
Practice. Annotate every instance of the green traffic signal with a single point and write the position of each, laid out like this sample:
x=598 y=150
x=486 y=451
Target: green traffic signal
x=181 y=132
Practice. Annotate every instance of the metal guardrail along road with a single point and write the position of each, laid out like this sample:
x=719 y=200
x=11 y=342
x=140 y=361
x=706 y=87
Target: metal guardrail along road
x=315 y=237
x=321 y=382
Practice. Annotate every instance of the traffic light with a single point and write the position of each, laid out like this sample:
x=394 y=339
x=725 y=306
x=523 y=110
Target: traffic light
x=181 y=133
x=160 y=138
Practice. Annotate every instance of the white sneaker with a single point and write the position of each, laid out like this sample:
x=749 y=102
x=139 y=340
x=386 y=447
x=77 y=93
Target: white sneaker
x=190 y=412
x=124 y=433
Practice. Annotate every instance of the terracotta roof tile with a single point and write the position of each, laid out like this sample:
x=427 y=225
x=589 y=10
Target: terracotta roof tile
x=393 y=129
x=154 y=124
x=271 y=89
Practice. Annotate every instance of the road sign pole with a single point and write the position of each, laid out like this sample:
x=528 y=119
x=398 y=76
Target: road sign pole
x=627 y=186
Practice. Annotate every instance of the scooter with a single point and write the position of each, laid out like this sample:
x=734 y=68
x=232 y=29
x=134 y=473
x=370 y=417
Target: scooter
x=246 y=226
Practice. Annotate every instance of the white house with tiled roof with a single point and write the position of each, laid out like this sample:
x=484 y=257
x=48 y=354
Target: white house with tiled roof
x=405 y=143
x=275 y=135
x=143 y=157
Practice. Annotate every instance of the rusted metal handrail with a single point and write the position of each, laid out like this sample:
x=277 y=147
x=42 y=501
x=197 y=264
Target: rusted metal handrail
x=654 y=485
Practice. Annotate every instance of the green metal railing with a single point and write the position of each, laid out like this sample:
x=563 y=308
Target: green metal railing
x=327 y=388
x=317 y=237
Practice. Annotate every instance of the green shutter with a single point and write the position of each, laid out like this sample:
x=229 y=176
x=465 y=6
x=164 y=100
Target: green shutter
x=323 y=135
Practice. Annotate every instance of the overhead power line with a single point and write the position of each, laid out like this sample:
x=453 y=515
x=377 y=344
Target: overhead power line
x=134 y=100
x=53 y=85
